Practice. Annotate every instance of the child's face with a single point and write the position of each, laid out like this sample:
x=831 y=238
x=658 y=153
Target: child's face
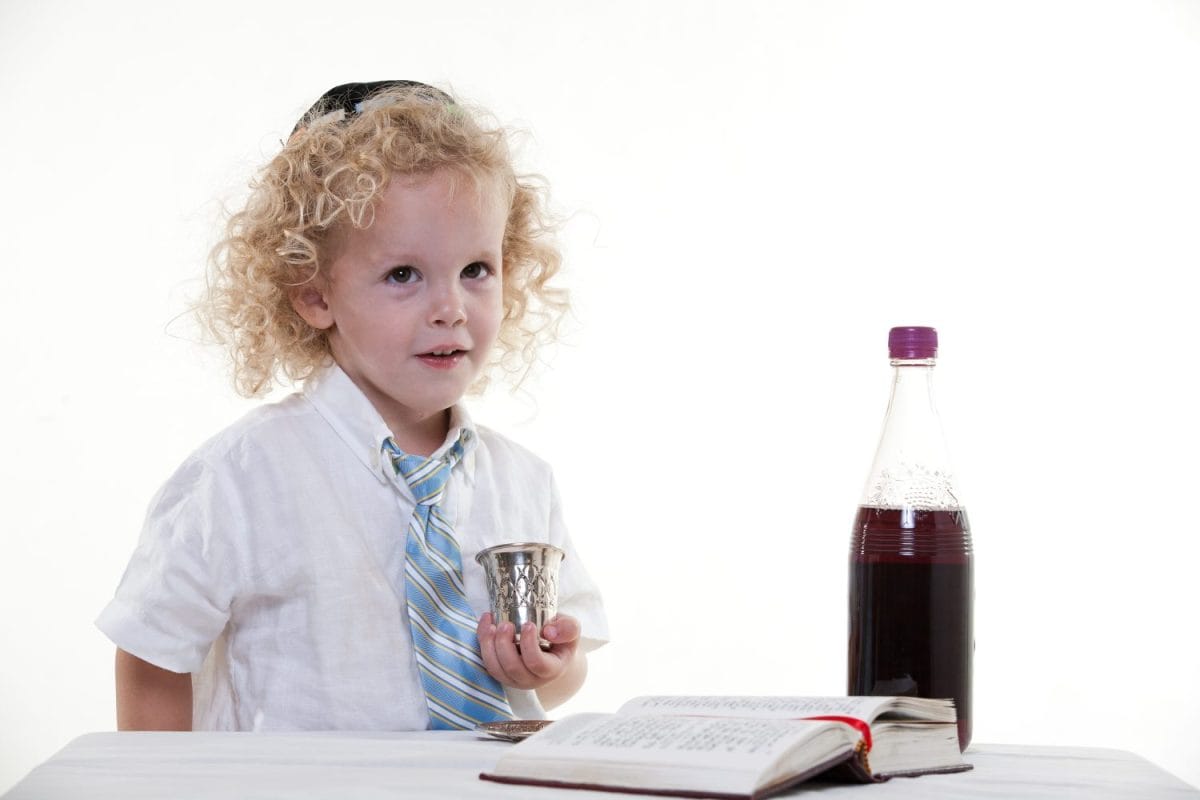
x=413 y=303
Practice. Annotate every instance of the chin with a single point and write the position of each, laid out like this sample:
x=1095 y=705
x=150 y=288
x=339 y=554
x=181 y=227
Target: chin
x=429 y=406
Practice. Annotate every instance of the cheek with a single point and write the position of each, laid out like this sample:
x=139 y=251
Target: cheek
x=377 y=332
x=492 y=307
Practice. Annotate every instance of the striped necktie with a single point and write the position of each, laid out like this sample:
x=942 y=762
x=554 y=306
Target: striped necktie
x=459 y=691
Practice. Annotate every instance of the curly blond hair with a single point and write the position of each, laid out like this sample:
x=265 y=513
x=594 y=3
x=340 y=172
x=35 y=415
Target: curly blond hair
x=328 y=175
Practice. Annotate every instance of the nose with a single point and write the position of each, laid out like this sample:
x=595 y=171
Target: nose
x=447 y=307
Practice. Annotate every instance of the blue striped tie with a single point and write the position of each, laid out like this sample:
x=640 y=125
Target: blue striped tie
x=459 y=691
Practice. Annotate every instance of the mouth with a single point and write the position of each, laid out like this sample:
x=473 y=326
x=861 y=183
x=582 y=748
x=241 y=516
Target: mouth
x=442 y=357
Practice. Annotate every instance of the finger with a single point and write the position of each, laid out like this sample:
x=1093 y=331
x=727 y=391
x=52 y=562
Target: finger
x=544 y=665
x=486 y=632
x=510 y=659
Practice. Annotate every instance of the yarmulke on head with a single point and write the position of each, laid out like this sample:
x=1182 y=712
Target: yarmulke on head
x=350 y=97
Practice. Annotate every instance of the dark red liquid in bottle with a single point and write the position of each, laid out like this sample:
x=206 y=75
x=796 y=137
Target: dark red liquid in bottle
x=911 y=591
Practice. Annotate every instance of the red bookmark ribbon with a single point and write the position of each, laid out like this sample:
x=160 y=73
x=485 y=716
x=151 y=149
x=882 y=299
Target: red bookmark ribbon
x=854 y=722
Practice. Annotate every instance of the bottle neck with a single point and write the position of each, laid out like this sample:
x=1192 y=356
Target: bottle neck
x=912 y=391
x=912 y=467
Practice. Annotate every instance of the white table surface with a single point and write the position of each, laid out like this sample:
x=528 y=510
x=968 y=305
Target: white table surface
x=132 y=766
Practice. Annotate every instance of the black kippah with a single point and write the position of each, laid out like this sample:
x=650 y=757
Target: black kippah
x=350 y=97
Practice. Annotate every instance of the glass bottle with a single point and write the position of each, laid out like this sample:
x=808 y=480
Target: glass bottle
x=911 y=570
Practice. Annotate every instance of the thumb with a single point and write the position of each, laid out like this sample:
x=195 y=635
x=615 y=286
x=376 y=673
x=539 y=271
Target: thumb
x=562 y=629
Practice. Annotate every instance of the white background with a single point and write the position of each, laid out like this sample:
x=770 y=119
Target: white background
x=757 y=192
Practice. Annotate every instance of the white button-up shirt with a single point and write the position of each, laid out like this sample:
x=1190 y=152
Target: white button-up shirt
x=271 y=565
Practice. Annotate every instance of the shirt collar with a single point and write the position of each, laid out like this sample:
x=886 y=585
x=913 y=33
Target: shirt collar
x=356 y=422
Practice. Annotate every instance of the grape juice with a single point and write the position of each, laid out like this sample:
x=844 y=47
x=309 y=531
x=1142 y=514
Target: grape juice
x=911 y=592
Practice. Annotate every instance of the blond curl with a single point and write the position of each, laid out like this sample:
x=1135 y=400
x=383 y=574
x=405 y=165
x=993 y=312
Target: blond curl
x=329 y=175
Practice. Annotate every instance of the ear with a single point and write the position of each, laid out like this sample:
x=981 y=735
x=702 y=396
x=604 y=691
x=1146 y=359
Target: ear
x=309 y=302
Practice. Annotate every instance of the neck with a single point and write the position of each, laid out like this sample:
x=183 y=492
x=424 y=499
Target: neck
x=420 y=437
x=417 y=433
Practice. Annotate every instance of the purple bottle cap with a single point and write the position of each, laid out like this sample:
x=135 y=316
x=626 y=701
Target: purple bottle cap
x=912 y=342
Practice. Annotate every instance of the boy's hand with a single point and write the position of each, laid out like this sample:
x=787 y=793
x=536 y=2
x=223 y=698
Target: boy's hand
x=529 y=667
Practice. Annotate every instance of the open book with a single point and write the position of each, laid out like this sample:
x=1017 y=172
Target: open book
x=737 y=747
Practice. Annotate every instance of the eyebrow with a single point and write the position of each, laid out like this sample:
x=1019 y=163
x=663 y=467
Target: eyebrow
x=408 y=259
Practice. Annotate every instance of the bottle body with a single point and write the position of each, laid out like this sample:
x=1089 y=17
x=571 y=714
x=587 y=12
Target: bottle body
x=911 y=604
x=911 y=562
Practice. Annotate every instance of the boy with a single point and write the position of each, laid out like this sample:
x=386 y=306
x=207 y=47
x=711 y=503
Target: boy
x=312 y=566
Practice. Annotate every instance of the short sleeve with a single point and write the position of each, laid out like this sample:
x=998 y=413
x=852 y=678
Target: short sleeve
x=578 y=594
x=174 y=599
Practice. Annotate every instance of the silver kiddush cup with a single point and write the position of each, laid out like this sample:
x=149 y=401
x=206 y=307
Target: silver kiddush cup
x=522 y=582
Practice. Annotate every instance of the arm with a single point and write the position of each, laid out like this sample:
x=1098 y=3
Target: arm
x=150 y=698
x=556 y=674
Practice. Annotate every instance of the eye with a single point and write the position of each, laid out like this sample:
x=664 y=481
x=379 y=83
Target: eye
x=476 y=269
x=402 y=275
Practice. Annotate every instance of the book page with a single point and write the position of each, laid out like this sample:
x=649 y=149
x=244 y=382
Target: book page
x=864 y=708
x=706 y=742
